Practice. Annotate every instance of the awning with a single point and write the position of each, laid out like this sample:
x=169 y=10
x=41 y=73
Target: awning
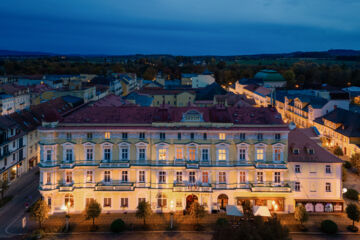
x=261 y=211
x=232 y=210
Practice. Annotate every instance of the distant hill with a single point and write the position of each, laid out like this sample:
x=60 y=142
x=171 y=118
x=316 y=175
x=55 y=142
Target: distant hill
x=10 y=53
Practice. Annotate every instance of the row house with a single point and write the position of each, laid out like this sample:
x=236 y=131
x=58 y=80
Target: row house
x=12 y=149
x=169 y=157
x=13 y=98
x=340 y=128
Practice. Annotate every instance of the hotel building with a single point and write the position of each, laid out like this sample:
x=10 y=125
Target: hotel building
x=169 y=157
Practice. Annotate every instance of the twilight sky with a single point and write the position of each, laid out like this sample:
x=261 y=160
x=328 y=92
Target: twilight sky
x=180 y=27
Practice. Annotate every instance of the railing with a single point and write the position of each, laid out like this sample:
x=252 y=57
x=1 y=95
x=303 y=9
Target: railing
x=270 y=187
x=164 y=163
x=114 y=186
x=182 y=187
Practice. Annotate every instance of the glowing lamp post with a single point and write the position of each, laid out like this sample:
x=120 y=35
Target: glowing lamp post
x=67 y=216
x=171 y=214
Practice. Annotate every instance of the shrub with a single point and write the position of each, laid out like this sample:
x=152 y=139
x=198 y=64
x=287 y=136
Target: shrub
x=347 y=164
x=221 y=222
x=338 y=151
x=117 y=226
x=329 y=227
x=352 y=194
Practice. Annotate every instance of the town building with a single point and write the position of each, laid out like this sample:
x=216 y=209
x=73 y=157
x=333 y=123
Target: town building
x=271 y=78
x=315 y=173
x=340 y=128
x=197 y=80
x=13 y=98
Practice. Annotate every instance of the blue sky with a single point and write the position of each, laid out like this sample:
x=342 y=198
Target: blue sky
x=180 y=27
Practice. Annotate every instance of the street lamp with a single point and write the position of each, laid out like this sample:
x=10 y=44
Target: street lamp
x=171 y=214
x=66 y=208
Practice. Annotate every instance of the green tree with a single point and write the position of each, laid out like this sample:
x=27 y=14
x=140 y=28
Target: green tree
x=301 y=214
x=197 y=211
x=338 y=151
x=93 y=210
x=4 y=186
x=353 y=213
x=143 y=210
x=40 y=211
x=289 y=76
x=355 y=161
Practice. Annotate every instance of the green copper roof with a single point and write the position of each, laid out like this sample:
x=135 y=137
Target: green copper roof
x=269 y=75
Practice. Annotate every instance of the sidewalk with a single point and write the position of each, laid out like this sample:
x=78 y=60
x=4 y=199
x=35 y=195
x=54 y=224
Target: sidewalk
x=160 y=222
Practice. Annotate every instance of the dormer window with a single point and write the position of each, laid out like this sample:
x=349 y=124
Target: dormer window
x=260 y=137
x=162 y=136
x=205 y=136
x=222 y=136
x=142 y=135
x=107 y=135
x=311 y=151
x=296 y=151
x=192 y=136
x=192 y=116
x=124 y=135
x=242 y=136
x=89 y=136
x=277 y=136
x=68 y=136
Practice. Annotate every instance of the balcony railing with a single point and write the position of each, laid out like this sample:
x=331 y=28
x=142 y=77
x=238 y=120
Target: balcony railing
x=183 y=187
x=114 y=186
x=164 y=163
x=270 y=187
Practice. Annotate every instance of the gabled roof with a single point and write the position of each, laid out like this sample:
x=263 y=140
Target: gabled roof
x=298 y=139
x=209 y=92
x=350 y=121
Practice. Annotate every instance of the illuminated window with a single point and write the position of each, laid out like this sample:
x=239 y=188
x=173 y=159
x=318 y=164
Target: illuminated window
x=260 y=154
x=48 y=178
x=192 y=153
x=205 y=177
x=107 y=135
x=68 y=177
x=328 y=187
x=162 y=154
x=179 y=153
x=222 y=136
x=69 y=200
x=124 y=202
x=277 y=154
x=222 y=154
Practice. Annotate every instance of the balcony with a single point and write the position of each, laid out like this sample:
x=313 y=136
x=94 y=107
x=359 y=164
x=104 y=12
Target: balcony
x=115 y=164
x=66 y=187
x=270 y=187
x=47 y=187
x=182 y=187
x=67 y=164
x=114 y=186
x=270 y=165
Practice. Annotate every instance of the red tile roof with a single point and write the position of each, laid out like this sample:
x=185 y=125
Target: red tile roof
x=111 y=100
x=146 y=115
x=299 y=140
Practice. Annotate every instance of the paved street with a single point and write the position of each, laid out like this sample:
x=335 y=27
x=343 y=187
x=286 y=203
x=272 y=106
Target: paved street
x=24 y=189
x=183 y=235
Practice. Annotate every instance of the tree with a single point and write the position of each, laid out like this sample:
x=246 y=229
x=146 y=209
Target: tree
x=289 y=76
x=355 y=161
x=338 y=151
x=197 y=211
x=4 y=185
x=353 y=213
x=143 y=210
x=93 y=210
x=301 y=214
x=40 y=211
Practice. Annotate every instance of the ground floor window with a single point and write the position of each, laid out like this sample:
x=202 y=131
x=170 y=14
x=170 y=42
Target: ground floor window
x=69 y=200
x=124 y=202
x=140 y=200
x=313 y=206
x=107 y=202
x=88 y=201
x=161 y=201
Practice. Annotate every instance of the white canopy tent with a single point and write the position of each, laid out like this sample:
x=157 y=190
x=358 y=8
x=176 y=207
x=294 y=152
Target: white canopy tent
x=261 y=211
x=232 y=210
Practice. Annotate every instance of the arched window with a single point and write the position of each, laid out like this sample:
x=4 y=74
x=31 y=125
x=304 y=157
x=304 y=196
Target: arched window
x=69 y=200
x=161 y=200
